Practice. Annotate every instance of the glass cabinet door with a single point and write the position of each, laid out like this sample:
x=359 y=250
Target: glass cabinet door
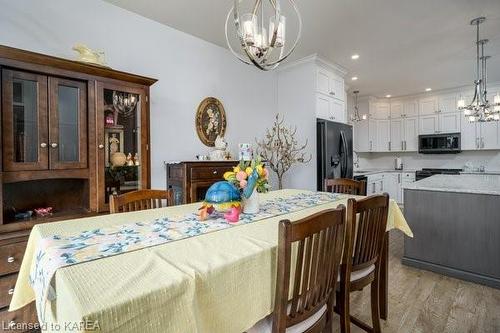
x=67 y=124
x=24 y=108
x=122 y=141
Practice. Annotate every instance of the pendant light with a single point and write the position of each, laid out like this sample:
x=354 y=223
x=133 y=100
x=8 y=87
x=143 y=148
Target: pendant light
x=480 y=109
x=262 y=48
x=355 y=117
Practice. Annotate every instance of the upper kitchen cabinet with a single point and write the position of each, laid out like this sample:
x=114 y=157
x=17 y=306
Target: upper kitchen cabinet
x=329 y=83
x=410 y=108
x=427 y=106
x=312 y=84
x=396 y=110
x=447 y=103
x=440 y=123
x=380 y=110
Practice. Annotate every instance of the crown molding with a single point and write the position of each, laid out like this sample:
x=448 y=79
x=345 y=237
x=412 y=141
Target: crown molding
x=318 y=60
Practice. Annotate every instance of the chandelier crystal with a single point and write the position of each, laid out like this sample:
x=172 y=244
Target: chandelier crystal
x=480 y=109
x=260 y=47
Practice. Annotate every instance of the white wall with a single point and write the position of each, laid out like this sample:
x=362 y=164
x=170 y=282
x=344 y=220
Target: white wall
x=188 y=69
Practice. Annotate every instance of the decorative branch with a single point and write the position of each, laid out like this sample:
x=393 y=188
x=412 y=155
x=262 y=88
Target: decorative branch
x=280 y=149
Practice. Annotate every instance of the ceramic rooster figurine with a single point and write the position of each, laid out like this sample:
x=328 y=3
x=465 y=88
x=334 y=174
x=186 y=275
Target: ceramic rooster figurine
x=86 y=54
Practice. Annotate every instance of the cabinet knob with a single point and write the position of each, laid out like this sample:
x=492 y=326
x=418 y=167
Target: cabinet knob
x=101 y=146
x=10 y=259
x=53 y=145
x=11 y=291
x=43 y=145
x=332 y=93
x=214 y=172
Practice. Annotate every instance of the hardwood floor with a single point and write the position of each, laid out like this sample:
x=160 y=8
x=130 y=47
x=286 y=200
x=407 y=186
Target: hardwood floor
x=421 y=301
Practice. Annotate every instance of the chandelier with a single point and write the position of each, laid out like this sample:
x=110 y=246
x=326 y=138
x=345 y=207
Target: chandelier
x=480 y=109
x=125 y=103
x=258 y=47
x=355 y=117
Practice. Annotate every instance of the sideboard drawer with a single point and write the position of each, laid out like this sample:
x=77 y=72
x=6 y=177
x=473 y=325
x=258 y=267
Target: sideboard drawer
x=210 y=173
x=11 y=256
x=7 y=284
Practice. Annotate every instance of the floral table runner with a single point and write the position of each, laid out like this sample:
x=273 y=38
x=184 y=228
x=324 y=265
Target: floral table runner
x=60 y=251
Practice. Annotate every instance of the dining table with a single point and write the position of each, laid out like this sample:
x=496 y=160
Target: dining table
x=221 y=281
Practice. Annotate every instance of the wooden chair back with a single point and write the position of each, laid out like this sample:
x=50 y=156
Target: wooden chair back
x=344 y=185
x=318 y=240
x=140 y=200
x=368 y=221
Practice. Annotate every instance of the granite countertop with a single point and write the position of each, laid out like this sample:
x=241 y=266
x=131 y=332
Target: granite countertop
x=464 y=183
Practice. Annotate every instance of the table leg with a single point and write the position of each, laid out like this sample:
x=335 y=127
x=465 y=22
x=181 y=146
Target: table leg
x=384 y=279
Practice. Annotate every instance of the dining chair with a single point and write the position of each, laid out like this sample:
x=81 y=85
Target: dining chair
x=344 y=185
x=308 y=273
x=140 y=200
x=361 y=262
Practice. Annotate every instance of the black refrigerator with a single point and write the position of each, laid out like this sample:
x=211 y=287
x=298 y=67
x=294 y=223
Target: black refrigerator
x=334 y=151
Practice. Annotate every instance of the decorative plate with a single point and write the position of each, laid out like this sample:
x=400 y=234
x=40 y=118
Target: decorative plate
x=210 y=120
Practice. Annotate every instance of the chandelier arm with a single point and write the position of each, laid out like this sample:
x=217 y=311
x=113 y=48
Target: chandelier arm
x=277 y=18
x=236 y=54
x=299 y=34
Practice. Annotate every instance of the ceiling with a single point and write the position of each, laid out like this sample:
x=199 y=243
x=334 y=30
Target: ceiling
x=405 y=46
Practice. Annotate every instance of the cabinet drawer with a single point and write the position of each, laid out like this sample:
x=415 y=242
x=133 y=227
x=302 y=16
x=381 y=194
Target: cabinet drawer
x=208 y=173
x=7 y=284
x=22 y=320
x=11 y=257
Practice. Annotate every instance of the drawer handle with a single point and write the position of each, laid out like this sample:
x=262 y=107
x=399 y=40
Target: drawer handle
x=11 y=259
x=215 y=172
x=11 y=291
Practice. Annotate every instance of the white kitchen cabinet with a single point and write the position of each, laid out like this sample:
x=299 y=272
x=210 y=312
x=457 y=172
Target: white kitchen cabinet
x=337 y=110
x=449 y=122
x=410 y=134
x=407 y=178
x=383 y=135
x=478 y=136
x=427 y=106
x=375 y=184
x=361 y=136
x=329 y=84
x=396 y=110
x=380 y=110
x=397 y=134
x=392 y=185
x=372 y=134
x=440 y=123
x=410 y=108
x=447 y=103
x=329 y=108
x=429 y=124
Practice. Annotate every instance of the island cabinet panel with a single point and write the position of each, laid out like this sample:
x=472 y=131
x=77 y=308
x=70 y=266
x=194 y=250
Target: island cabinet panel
x=456 y=234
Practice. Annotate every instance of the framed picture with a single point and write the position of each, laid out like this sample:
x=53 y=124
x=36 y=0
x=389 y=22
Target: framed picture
x=114 y=143
x=210 y=120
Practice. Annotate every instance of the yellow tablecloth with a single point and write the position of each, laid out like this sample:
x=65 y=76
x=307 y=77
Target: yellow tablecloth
x=217 y=282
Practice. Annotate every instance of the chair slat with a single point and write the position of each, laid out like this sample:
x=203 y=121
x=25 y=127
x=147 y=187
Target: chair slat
x=140 y=200
x=346 y=186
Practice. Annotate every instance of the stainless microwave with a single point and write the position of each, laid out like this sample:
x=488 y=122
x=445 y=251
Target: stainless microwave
x=443 y=143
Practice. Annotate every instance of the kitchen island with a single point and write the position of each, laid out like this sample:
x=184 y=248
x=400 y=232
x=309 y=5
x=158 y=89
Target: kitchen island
x=456 y=223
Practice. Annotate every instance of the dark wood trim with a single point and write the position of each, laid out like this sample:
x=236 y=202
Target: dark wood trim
x=9 y=164
x=92 y=144
x=54 y=124
x=18 y=55
x=13 y=177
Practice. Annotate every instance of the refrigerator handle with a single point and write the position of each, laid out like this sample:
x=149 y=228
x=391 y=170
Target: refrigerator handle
x=343 y=165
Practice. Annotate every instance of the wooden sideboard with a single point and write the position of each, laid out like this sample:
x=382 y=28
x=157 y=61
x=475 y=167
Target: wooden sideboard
x=59 y=128
x=191 y=179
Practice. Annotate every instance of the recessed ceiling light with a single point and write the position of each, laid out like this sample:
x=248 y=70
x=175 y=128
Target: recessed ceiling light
x=428 y=89
x=354 y=78
x=355 y=56
x=388 y=96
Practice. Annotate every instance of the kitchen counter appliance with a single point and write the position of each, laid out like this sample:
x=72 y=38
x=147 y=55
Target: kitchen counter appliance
x=443 y=143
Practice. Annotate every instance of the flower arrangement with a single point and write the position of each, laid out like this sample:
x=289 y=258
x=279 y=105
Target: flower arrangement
x=242 y=173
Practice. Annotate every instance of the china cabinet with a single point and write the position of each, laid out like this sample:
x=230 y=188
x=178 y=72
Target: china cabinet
x=61 y=124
